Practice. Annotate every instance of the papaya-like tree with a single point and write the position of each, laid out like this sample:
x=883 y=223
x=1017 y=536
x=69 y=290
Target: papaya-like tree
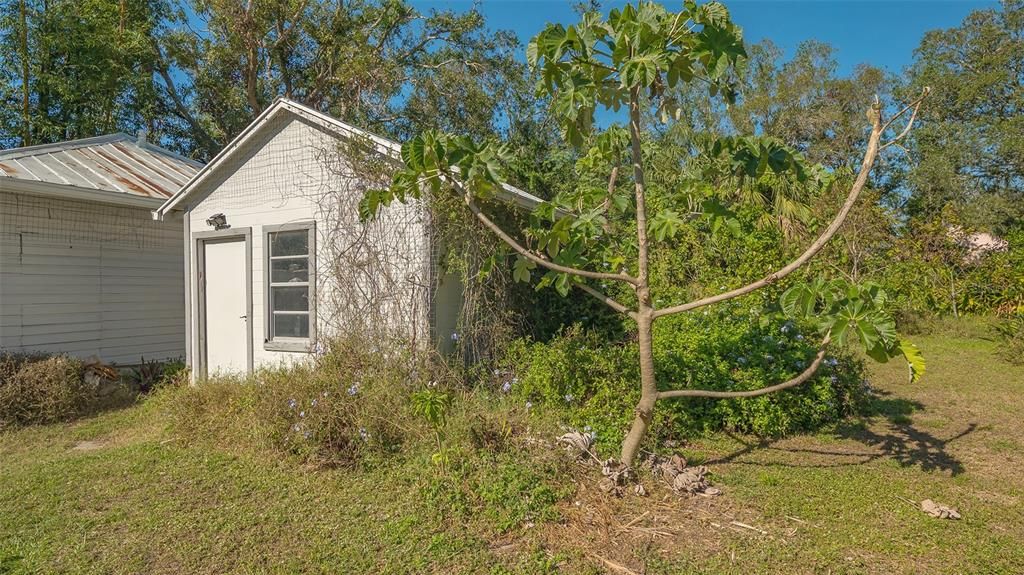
x=632 y=62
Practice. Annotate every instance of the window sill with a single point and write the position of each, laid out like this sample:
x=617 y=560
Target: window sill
x=303 y=345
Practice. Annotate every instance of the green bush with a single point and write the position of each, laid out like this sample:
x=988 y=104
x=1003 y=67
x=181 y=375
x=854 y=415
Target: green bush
x=347 y=406
x=594 y=384
x=36 y=388
x=1010 y=335
x=922 y=282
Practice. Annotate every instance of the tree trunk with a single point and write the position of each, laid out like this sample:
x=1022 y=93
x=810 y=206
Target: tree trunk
x=645 y=309
x=26 y=84
x=648 y=388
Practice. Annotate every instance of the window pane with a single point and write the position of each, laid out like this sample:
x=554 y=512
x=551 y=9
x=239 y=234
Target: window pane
x=295 y=243
x=289 y=298
x=291 y=325
x=292 y=270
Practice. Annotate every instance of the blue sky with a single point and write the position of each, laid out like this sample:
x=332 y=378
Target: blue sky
x=878 y=32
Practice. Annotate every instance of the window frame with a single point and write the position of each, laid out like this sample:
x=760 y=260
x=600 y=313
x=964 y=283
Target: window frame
x=292 y=344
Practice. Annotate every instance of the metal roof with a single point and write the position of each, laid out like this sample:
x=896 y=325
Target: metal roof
x=116 y=163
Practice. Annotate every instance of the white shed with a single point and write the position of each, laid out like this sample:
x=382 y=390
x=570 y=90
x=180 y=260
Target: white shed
x=278 y=260
x=84 y=269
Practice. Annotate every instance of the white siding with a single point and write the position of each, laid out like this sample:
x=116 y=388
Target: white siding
x=89 y=280
x=288 y=173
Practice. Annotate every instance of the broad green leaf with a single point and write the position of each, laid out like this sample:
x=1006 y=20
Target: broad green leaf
x=521 y=269
x=790 y=300
x=412 y=153
x=915 y=360
x=562 y=284
x=665 y=224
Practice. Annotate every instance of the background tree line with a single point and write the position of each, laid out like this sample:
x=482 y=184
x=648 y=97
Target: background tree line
x=194 y=73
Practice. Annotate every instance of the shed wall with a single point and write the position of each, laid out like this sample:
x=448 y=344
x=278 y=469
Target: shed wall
x=90 y=279
x=368 y=276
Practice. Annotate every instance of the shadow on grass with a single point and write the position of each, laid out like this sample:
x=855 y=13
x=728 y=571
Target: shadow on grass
x=896 y=438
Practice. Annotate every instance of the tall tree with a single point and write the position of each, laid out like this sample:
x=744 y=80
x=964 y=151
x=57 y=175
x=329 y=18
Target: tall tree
x=969 y=150
x=633 y=60
x=378 y=63
x=804 y=101
x=76 y=68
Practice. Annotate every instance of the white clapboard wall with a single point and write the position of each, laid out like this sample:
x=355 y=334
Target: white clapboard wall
x=90 y=280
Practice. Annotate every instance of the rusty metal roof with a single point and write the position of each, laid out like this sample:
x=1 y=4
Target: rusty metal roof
x=117 y=163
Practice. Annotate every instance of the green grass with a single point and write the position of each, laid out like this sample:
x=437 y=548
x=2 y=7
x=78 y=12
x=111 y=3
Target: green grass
x=137 y=499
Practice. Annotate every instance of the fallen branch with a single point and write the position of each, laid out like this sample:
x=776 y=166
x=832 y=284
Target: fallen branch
x=751 y=527
x=614 y=566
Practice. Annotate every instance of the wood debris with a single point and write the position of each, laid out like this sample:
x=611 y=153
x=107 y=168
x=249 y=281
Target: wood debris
x=938 y=510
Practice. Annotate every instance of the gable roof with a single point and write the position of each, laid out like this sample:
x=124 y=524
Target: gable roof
x=384 y=146
x=115 y=168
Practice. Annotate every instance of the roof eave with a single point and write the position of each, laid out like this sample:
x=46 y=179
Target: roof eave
x=62 y=191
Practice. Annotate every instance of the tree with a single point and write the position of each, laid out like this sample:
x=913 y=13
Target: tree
x=76 y=69
x=804 y=103
x=970 y=144
x=632 y=61
x=380 y=64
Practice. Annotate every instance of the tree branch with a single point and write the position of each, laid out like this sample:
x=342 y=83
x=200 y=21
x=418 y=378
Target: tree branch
x=607 y=300
x=535 y=258
x=910 y=123
x=874 y=114
x=184 y=113
x=800 y=378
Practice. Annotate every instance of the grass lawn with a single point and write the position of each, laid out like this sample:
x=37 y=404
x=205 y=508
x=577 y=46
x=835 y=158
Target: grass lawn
x=119 y=493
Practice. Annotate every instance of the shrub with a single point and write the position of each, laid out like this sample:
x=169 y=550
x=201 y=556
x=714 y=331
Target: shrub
x=1010 y=335
x=36 y=388
x=346 y=407
x=148 y=375
x=594 y=384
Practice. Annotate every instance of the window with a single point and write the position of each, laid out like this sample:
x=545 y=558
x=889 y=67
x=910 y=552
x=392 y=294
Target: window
x=290 y=285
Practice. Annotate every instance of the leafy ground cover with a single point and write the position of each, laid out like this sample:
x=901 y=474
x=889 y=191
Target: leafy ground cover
x=121 y=492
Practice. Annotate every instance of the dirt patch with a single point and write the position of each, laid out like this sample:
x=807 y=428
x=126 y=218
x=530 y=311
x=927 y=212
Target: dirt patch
x=88 y=445
x=631 y=531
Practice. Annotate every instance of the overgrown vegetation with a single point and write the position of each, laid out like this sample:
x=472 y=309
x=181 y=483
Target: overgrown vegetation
x=38 y=388
x=1010 y=335
x=625 y=207
x=592 y=382
x=390 y=462
x=347 y=407
x=132 y=490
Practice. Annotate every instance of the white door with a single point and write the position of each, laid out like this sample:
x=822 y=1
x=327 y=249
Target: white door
x=225 y=305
